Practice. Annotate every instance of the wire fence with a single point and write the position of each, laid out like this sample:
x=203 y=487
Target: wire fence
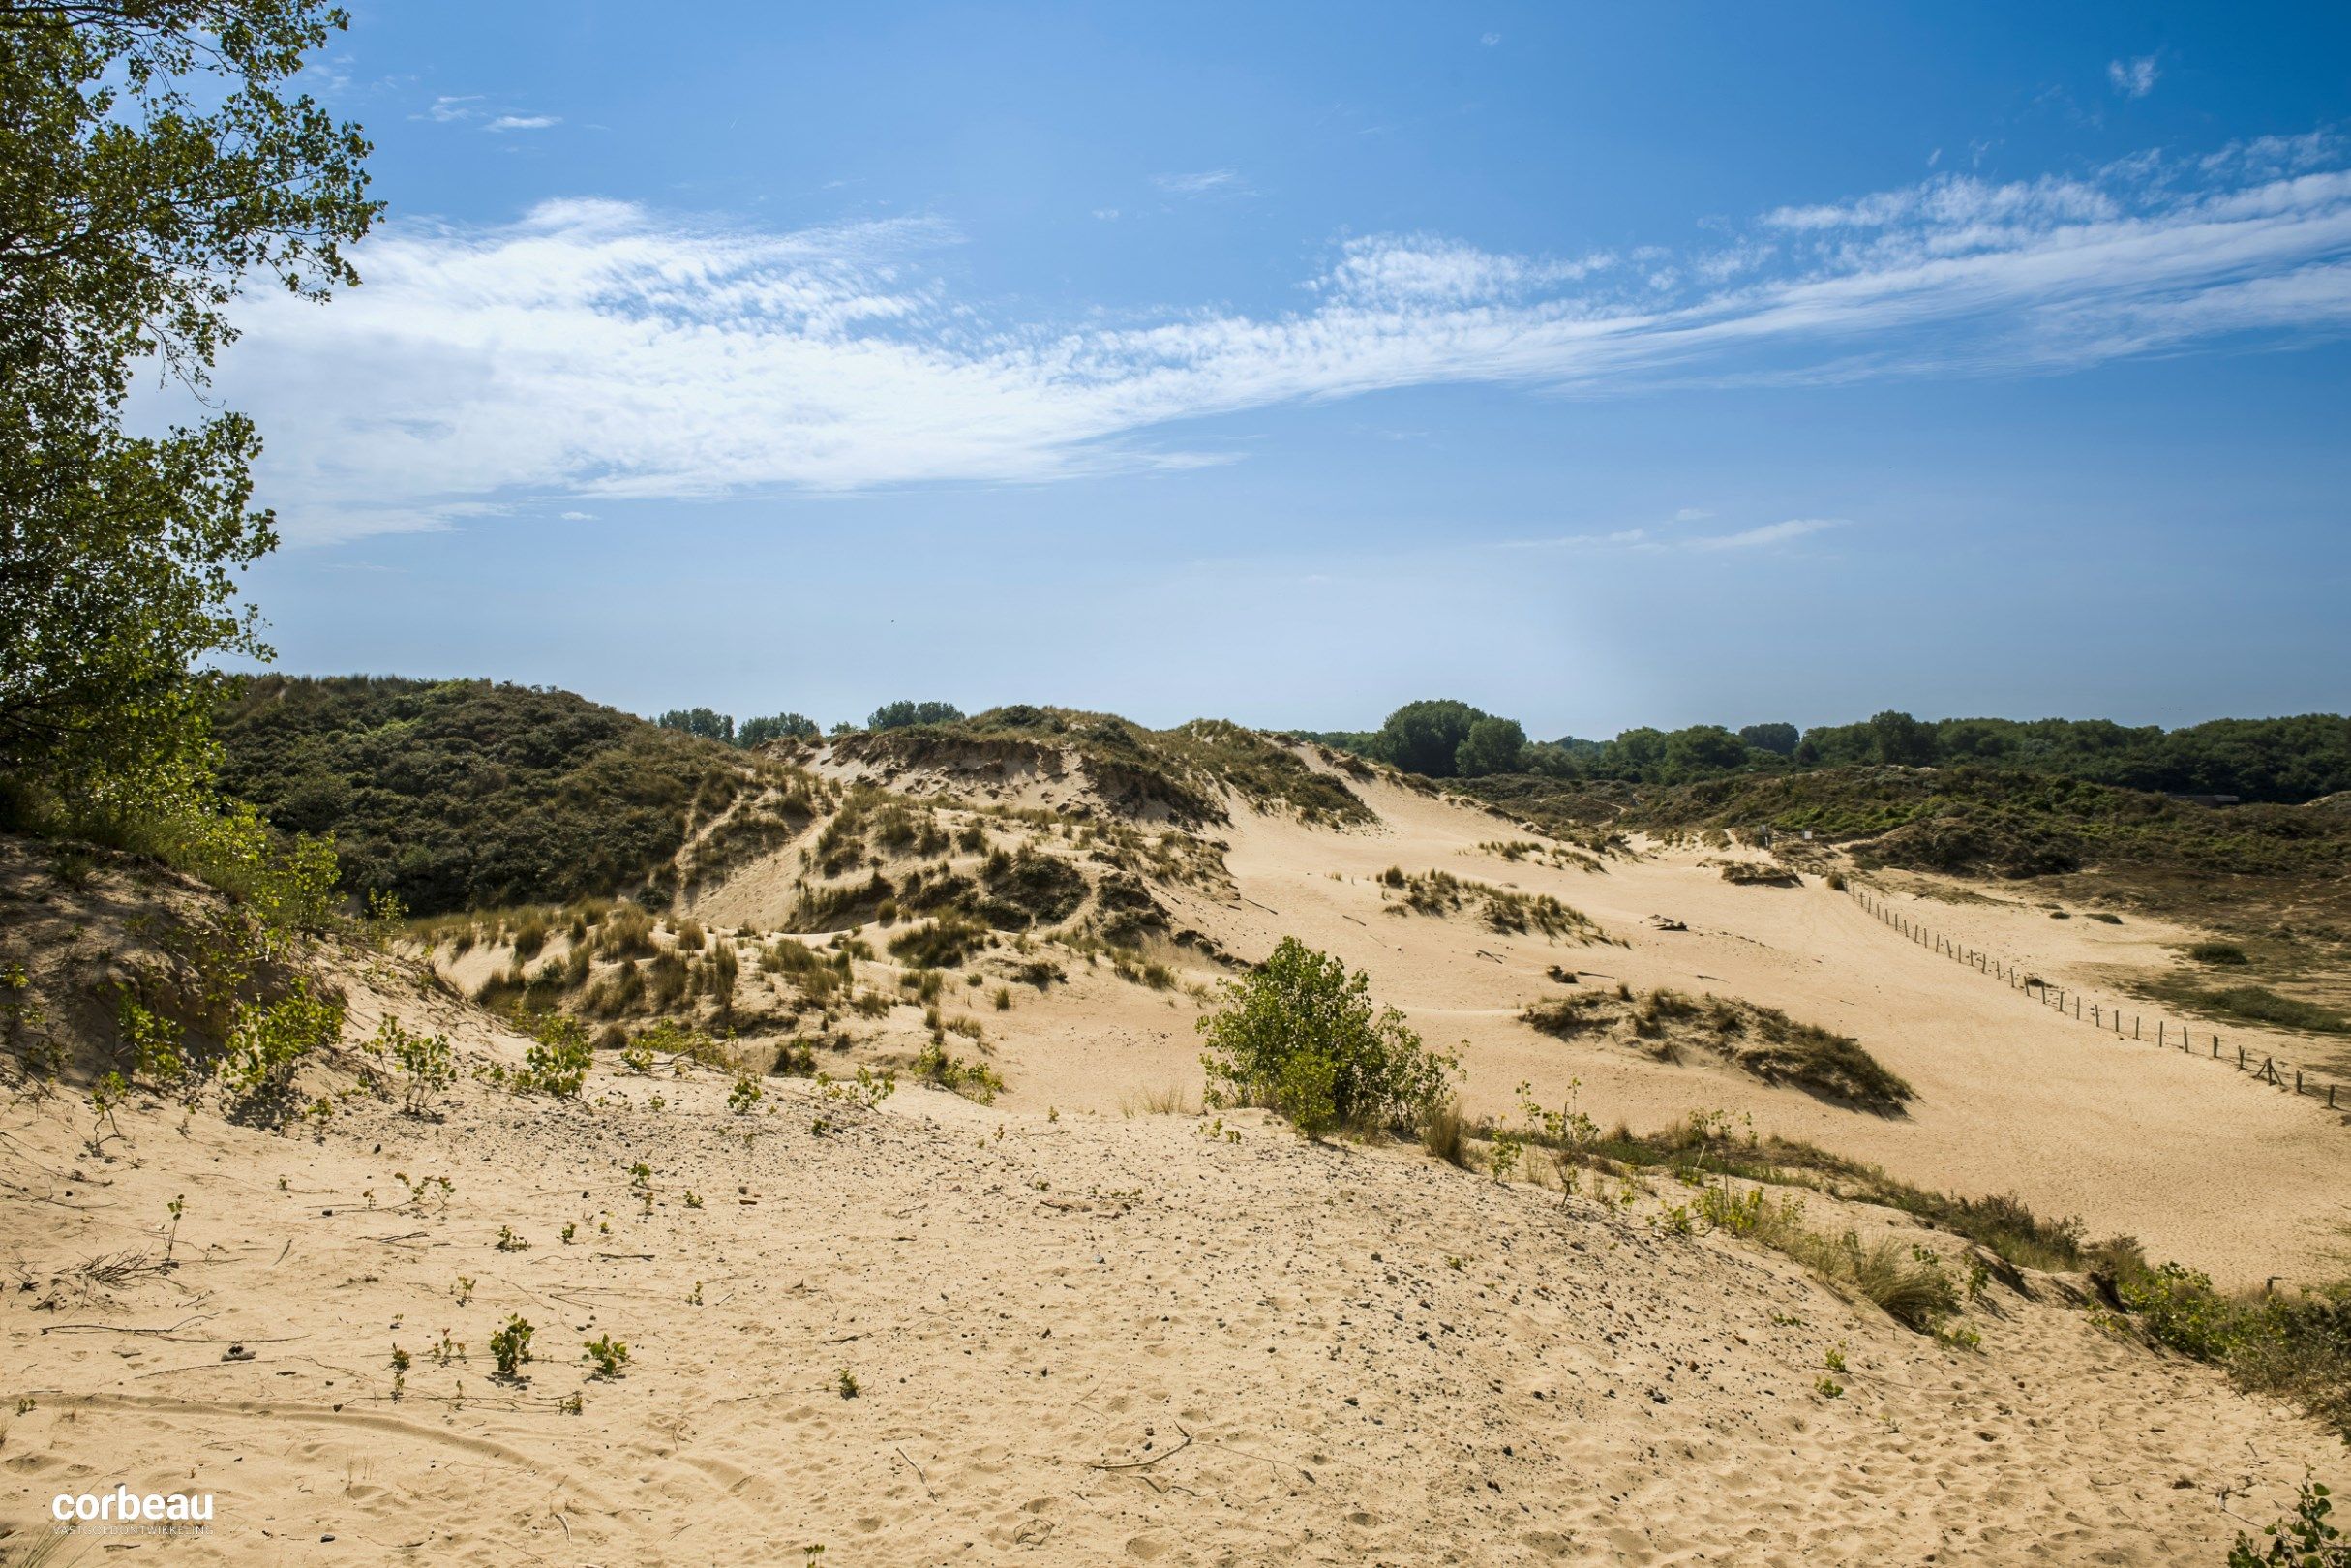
x=2166 y=1033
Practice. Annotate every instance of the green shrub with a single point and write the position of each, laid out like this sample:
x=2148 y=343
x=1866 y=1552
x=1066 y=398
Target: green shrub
x=973 y=1080
x=557 y=1060
x=425 y=1061
x=2217 y=952
x=2295 y=1347
x=269 y=1040
x=1300 y=1018
x=1306 y=1092
x=155 y=1043
x=899 y=714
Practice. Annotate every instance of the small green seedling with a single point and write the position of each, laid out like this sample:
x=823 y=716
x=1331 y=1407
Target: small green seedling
x=510 y=1347
x=608 y=1354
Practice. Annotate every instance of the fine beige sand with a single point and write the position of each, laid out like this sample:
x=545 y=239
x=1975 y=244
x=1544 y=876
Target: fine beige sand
x=1077 y=1341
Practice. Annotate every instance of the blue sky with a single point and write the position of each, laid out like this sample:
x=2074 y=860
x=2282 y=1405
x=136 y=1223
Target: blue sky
x=1655 y=364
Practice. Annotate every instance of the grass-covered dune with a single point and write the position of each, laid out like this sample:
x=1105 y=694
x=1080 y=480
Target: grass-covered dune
x=1184 y=774
x=467 y=794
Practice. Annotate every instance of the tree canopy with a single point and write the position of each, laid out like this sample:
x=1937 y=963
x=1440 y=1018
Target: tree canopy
x=1492 y=745
x=1426 y=737
x=155 y=161
x=898 y=715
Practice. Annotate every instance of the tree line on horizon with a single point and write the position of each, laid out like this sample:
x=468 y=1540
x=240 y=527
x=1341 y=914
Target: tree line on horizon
x=712 y=725
x=2282 y=759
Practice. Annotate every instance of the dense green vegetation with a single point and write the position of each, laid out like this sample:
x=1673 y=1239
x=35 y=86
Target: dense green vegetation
x=2278 y=760
x=463 y=795
x=1958 y=819
x=154 y=160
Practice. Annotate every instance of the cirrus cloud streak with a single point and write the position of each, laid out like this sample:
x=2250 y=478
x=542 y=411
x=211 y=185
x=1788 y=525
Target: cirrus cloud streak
x=600 y=350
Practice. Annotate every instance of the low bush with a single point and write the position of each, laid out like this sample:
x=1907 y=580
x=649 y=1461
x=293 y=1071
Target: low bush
x=1299 y=1032
x=2295 y=1347
x=943 y=944
x=270 y=1040
x=556 y=1060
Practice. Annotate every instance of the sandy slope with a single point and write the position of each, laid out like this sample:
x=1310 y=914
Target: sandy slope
x=1080 y=1341
x=2203 y=1165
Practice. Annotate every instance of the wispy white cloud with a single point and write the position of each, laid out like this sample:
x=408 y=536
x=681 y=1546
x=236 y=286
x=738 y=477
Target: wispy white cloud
x=1490 y=40
x=1665 y=536
x=1205 y=182
x=1770 y=533
x=458 y=108
x=1420 y=269
x=2134 y=78
x=598 y=349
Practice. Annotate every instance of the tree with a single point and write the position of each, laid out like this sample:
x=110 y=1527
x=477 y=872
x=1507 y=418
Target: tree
x=700 y=721
x=1703 y=750
x=1775 y=738
x=154 y=162
x=1426 y=737
x=1492 y=745
x=1636 y=753
x=1900 y=738
x=757 y=732
x=899 y=714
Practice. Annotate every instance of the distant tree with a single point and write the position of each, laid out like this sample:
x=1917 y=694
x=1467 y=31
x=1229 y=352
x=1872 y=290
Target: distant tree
x=1979 y=740
x=1703 y=750
x=154 y=164
x=1636 y=753
x=1492 y=745
x=1550 y=760
x=700 y=721
x=757 y=732
x=899 y=714
x=1777 y=738
x=1426 y=737
x=1902 y=740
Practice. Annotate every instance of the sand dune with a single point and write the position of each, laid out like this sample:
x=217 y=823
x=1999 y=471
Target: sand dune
x=1081 y=1336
